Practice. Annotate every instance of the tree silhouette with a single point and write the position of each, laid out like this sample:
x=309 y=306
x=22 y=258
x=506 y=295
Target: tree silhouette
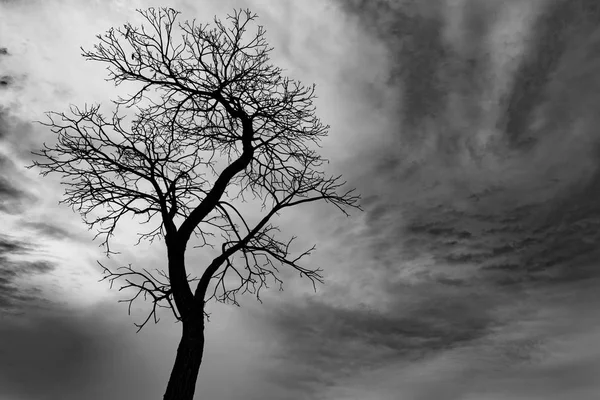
x=211 y=125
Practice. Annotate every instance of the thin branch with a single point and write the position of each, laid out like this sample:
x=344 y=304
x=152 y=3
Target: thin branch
x=210 y=125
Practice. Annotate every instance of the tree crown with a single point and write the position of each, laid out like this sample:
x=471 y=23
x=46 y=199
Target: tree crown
x=211 y=124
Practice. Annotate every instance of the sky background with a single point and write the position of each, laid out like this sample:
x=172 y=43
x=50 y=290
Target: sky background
x=469 y=127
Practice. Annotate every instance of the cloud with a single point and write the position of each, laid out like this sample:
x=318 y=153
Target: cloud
x=12 y=195
x=52 y=230
x=69 y=354
x=481 y=206
x=457 y=200
x=329 y=342
x=559 y=27
x=15 y=295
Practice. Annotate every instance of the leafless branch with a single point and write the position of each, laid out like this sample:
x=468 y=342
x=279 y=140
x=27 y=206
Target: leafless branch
x=215 y=125
x=154 y=286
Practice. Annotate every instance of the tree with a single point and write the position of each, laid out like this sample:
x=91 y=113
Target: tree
x=212 y=125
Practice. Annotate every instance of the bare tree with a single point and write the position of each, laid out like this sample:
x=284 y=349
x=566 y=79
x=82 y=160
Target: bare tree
x=212 y=124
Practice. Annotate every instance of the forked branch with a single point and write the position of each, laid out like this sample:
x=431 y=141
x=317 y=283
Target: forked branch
x=147 y=285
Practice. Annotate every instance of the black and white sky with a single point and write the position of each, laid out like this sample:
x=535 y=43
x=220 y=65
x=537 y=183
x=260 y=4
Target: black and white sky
x=470 y=127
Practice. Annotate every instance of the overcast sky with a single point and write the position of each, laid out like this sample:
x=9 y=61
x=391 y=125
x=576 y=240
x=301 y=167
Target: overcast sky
x=469 y=127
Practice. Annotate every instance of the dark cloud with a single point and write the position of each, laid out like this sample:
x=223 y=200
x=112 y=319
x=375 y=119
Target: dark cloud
x=420 y=53
x=12 y=246
x=3 y=126
x=4 y=80
x=543 y=217
x=68 y=354
x=52 y=230
x=13 y=193
x=415 y=42
x=478 y=221
x=17 y=258
x=562 y=25
x=328 y=342
x=431 y=74
x=535 y=244
x=11 y=196
x=7 y=189
x=15 y=295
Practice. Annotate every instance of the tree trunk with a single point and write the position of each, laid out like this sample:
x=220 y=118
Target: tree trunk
x=182 y=382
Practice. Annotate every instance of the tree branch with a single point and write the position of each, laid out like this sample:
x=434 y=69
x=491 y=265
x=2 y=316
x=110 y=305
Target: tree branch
x=210 y=125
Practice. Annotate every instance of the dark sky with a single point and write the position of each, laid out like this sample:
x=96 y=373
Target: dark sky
x=470 y=129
